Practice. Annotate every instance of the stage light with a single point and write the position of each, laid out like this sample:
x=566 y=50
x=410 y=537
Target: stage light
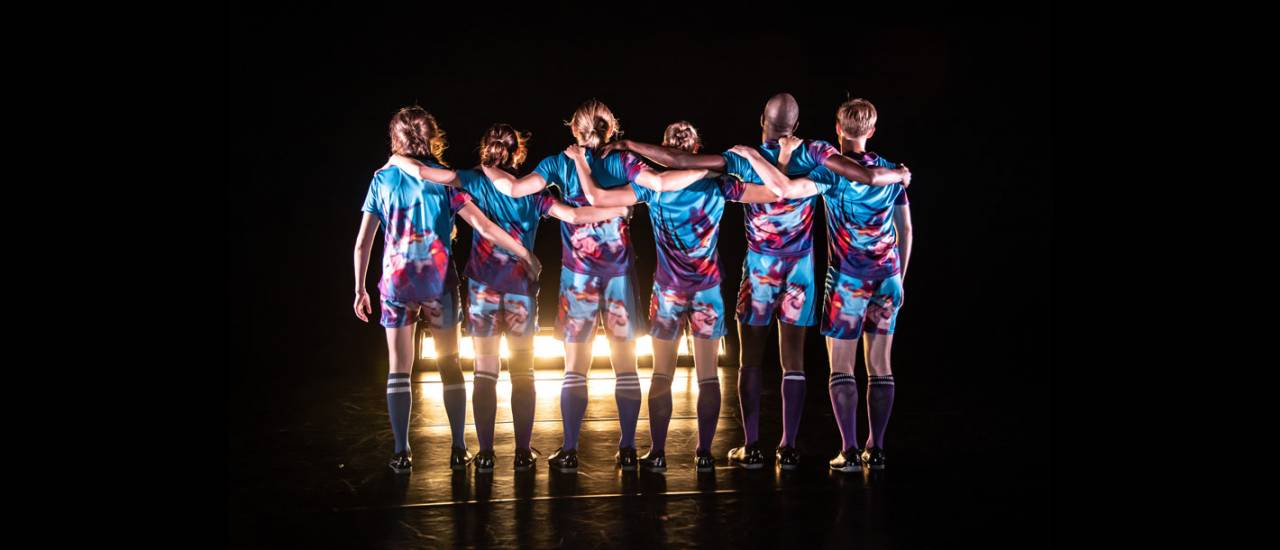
x=547 y=346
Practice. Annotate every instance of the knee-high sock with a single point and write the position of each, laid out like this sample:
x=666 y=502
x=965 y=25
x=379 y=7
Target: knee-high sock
x=659 y=410
x=749 y=399
x=573 y=406
x=484 y=406
x=751 y=341
x=523 y=396
x=844 y=403
x=879 y=405
x=708 y=411
x=399 y=404
x=793 y=389
x=455 y=397
x=626 y=391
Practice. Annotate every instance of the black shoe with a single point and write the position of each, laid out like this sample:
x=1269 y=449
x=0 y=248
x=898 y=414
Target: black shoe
x=459 y=458
x=626 y=459
x=873 y=458
x=564 y=461
x=704 y=461
x=401 y=463
x=525 y=460
x=484 y=462
x=749 y=457
x=654 y=461
x=848 y=461
x=788 y=458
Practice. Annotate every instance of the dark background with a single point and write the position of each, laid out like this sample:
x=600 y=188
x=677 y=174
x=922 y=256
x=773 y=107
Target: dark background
x=963 y=99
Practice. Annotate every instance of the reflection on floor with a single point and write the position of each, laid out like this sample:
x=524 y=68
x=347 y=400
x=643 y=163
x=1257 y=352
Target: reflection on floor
x=312 y=473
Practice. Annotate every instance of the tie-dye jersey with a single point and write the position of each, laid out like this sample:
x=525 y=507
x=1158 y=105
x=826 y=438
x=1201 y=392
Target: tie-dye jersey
x=417 y=219
x=782 y=228
x=860 y=232
x=490 y=264
x=601 y=248
x=686 y=225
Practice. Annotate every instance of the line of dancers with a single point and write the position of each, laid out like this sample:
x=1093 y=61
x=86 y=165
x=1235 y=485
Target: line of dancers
x=416 y=197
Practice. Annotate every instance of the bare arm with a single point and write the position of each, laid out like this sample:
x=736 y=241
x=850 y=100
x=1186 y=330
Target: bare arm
x=514 y=187
x=490 y=231
x=671 y=180
x=875 y=175
x=360 y=262
x=620 y=196
x=667 y=156
x=586 y=214
x=757 y=194
x=443 y=176
x=774 y=179
x=902 y=225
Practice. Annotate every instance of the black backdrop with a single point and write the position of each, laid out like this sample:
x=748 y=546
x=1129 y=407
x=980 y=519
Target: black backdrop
x=963 y=97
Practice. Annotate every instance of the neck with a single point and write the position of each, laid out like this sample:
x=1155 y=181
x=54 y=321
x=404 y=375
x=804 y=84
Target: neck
x=853 y=145
x=770 y=135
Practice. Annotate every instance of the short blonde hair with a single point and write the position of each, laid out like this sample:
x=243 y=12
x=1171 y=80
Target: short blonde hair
x=856 y=117
x=682 y=136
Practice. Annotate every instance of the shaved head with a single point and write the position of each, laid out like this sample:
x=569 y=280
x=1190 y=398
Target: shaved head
x=781 y=114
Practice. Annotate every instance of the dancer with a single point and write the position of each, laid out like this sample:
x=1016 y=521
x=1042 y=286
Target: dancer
x=870 y=241
x=418 y=281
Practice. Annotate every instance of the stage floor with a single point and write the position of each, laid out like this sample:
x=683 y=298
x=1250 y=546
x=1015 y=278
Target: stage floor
x=308 y=470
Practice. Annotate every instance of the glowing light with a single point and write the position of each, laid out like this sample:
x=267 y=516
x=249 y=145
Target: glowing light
x=547 y=346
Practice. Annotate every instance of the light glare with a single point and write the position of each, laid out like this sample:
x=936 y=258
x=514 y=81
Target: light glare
x=547 y=346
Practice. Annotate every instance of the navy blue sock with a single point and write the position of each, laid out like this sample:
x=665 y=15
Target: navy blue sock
x=659 y=410
x=626 y=391
x=793 y=388
x=879 y=405
x=749 y=399
x=399 y=404
x=455 y=397
x=484 y=406
x=523 y=396
x=708 y=411
x=844 y=403
x=573 y=406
